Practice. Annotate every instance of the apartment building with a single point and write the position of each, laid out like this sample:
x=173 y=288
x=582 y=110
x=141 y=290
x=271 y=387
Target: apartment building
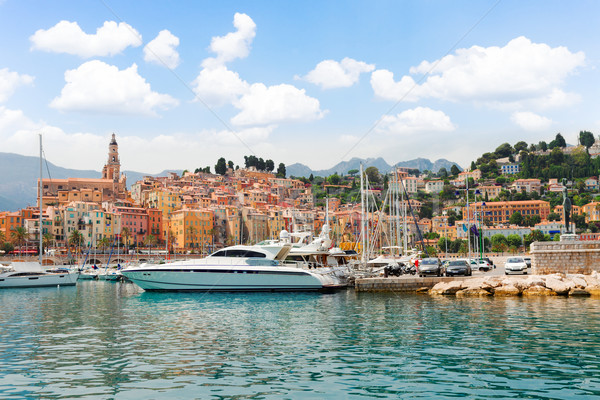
x=499 y=212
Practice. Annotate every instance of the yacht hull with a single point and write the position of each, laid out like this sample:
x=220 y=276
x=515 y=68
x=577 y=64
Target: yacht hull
x=63 y=279
x=210 y=279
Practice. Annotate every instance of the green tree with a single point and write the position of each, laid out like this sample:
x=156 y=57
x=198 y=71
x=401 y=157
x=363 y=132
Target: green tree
x=19 y=236
x=535 y=236
x=221 y=167
x=2 y=238
x=269 y=165
x=498 y=239
x=554 y=217
x=516 y=218
x=454 y=170
x=281 y=171
x=76 y=238
x=125 y=234
x=230 y=164
x=353 y=172
x=373 y=174
x=543 y=146
x=334 y=179
x=514 y=240
x=520 y=146
x=586 y=139
x=504 y=150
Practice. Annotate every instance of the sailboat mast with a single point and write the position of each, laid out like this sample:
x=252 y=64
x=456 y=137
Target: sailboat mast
x=362 y=217
x=40 y=189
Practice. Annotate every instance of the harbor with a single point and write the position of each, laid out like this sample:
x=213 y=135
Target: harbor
x=111 y=340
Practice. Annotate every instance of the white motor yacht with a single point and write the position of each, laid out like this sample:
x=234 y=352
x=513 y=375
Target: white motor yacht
x=31 y=274
x=235 y=268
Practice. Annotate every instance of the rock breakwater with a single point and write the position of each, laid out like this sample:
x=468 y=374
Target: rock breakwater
x=531 y=285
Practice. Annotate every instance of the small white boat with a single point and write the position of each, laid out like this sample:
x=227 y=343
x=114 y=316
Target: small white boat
x=89 y=274
x=31 y=274
x=110 y=274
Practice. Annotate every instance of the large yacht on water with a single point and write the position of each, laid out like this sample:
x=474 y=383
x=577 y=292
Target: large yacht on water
x=237 y=268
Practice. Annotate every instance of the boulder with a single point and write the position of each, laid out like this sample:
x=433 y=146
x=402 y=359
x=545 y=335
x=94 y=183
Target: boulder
x=593 y=290
x=422 y=290
x=475 y=292
x=558 y=286
x=591 y=280
x=492 y=282
x=578 y=281
x=506 y=290
x=474 y=283
x=578 y=292
x=537 y=290
x=446 y=288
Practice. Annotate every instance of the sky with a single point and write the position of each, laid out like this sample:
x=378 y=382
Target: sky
x=184 y=83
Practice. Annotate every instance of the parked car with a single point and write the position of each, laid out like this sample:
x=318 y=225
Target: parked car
x=489 y=260
x=430 y=266
x=527 y=261
x=458 y=267
x=484 y=265
x=515 y=265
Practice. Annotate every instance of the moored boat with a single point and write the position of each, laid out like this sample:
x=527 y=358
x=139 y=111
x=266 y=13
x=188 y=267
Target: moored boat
x=235 y=268
x=30 y=274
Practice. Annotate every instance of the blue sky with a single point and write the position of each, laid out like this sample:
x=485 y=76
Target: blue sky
x=184 y=83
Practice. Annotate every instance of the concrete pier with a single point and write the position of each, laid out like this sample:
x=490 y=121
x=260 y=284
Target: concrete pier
x=401 y=284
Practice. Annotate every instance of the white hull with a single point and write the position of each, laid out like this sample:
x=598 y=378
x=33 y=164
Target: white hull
x=205 y=277
x=59 y=279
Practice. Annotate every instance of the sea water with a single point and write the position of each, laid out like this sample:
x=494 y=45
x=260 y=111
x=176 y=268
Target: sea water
x=105 y=340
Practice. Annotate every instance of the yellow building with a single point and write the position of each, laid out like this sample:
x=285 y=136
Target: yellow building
x=166 y=201
x=192 y=230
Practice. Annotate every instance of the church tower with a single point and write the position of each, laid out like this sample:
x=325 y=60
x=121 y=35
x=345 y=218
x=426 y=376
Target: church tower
x=112 y=169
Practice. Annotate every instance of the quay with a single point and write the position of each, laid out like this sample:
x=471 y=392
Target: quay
x=402 y=284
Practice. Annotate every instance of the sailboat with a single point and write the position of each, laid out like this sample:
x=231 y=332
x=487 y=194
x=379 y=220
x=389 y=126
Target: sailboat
x=31 y=274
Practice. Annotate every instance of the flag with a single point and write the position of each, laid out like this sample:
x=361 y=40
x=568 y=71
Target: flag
x=474 y=230
x=464 y=227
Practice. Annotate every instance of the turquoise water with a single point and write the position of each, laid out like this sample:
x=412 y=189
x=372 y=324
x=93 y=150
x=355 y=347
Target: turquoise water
x=104 y=340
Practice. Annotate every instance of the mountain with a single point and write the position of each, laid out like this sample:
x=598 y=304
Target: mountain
x=421 y=164
x=18 y=183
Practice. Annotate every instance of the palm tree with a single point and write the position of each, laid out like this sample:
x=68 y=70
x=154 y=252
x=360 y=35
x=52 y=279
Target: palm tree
x=47 y=240
x=19 y=235
x=150 y=241
x=192 y=232
x=103 y=243
x=2 y=238
x=76 y=239
x=126 y=234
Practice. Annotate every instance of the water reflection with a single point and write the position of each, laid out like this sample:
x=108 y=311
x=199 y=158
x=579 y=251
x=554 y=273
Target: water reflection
x=107 y=340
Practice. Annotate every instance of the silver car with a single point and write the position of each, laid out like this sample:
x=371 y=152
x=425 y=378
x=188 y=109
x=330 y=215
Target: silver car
x=515 y=265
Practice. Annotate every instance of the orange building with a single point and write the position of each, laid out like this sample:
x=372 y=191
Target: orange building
x=499 y=212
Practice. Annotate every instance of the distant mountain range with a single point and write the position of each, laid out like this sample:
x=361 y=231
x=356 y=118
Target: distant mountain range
x=18 y=182
x=421 y=164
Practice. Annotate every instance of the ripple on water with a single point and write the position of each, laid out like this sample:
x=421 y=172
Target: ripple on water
x=105 y=340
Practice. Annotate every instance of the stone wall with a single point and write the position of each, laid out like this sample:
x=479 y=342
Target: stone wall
x=568 y=257
x=403 y=284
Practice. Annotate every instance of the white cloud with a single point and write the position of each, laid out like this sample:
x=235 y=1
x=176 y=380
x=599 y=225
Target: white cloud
x=98 y=87
x=420 y=119
x=530 y=121
x=9 y=81
x=19 y=134
x=275 y=104
x=68 y=37
x=384 y=86
x=258 y=104
x=218 y=86
x=233 y=45
x=330 y=74
x=520 y=71
x=162 y=50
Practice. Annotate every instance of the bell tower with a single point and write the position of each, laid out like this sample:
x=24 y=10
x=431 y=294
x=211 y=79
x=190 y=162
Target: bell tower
x=112 y=169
